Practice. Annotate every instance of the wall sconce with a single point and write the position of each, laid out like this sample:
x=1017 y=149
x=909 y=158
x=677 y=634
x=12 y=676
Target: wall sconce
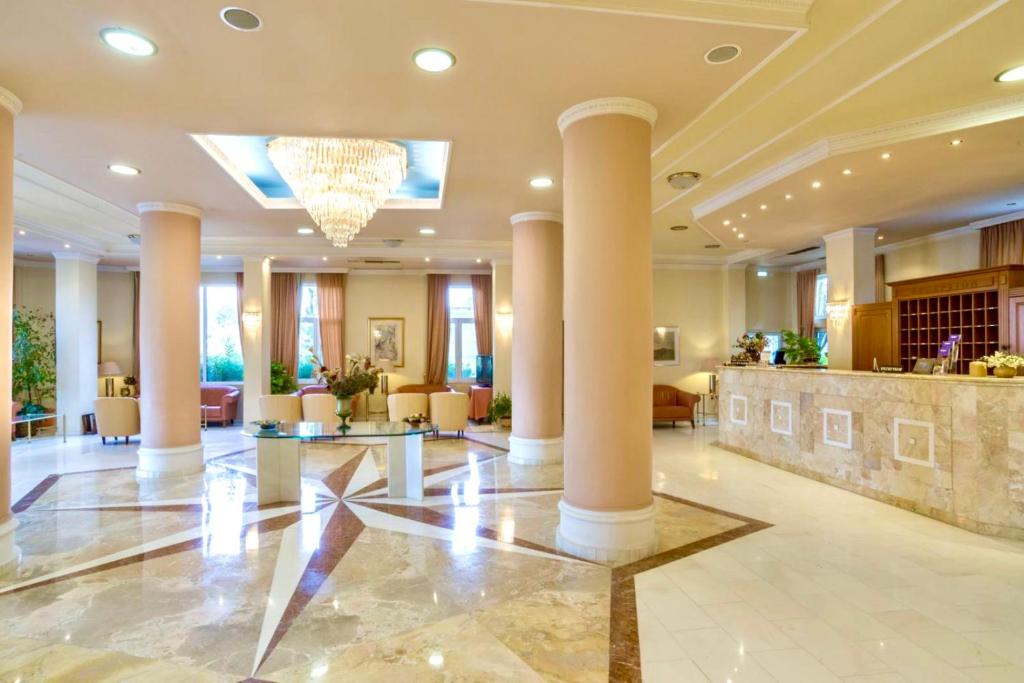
x=838 y=311
x=251 y=319
x=504 y=322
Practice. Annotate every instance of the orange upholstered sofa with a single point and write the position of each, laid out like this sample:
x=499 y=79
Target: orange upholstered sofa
x=672 y=405
x=221 y=402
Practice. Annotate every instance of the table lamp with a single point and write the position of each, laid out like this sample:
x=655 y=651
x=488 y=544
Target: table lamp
x=109 y=369
x=710 y=366
x=386 y=365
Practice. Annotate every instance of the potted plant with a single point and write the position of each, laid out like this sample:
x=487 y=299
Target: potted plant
x=34 y=359
x=800 y=350
x=280 y=381
x=345 y=383
x=499 y=411
x=1004 y=364
x=750 y=346
x=129 y=386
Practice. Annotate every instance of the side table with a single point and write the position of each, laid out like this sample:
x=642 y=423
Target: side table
x=479 y=400
x=706 y=400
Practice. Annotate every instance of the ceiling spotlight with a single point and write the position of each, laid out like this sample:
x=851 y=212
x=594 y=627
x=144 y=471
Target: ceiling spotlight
x=762 y=273
x=727 y=222
x=433 y=59
x=740 y=235
x=683 y=180
x=271 y=257
x=305 y=231
x=743 y=215
x=722 y=54
x=427 y=259
x=735 y=229
x=427 y=231
x=240 y=19
x=886 y=156
x=787 y=197
x=21 y=232
x=123 y=169
x=956 y=142
x=764 y=207
x=1011 y=75
x=679 y=228
x=219 y=257
x=881 y=237
x=67 y=246
x=479 y=260
x=541 y=182
x=816 y=184
x=847 y=171
x=323 y=258
x=127 y=41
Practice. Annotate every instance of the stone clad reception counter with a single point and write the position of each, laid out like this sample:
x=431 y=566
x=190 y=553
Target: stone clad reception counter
x=948 y=447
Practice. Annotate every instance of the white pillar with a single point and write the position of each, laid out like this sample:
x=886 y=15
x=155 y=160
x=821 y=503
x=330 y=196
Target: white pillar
x=256 y=334
x=734 y=301
x=501 y=304
x=850 y=264
x=75 y=321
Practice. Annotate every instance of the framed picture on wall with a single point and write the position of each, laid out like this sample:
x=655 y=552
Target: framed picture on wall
x=666 y=345
x=387 y=340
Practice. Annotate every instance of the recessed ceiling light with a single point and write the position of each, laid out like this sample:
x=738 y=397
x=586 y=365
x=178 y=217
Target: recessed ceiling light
x=305 y=231
x=433 y=59
x=886 y=156
x=427 y=231
x=219 y=257
x=881 y=237
x=743 y=215
x=1011 y=75
x=847 y=171
x=722 y=54
x=67 y=246
x=427 y=259
x=740 y=235
x=479 y=260
x=271 y=257
x=956 y=142
x=323 y=258
x=764 y=207
x=816 y=184
x=726 y=222
x=679 y=228
x=735 y=229
x=787 y=197
x=123 y=169
x=127 y=41
x=240 y=19
x=541 y=182
x=21 y=232
x=762 y=273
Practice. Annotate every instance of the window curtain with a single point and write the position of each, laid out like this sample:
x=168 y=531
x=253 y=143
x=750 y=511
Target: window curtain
x=239 y=291
x=330 y=295
x=805 y=284
x=284 y=328
x=136 y=368
x=879 y=278
x=438 y=323
x=1003 y=244
x=482 y=317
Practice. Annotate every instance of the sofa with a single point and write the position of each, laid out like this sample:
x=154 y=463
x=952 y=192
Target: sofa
x=117 y=416
x=282 y=407
x=674 y=405
x=221 y=403
x=426 y=389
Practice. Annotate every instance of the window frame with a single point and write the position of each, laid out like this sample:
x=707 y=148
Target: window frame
x=204 y=333
x=317 y=341
x=821 y=296
x=457 y=324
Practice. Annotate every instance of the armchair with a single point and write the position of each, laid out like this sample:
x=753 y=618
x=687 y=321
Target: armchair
x=221 y=403
x=672 y=405
x=116 y=417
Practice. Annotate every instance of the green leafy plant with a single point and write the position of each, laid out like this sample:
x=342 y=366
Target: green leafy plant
x=499 y=407
x=800 y=350
x=34 y=359
x=280 y=381
x=750 y=347
x=360 y=375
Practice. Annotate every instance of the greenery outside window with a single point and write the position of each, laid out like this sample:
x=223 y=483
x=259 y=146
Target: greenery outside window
x=309 y=330
x=220 y=356
x=821 y=298
x=462 y=349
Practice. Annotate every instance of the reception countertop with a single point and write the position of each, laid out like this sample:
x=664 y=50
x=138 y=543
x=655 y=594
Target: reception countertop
x=950 y=447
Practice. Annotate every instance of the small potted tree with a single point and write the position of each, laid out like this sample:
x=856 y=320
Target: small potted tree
x=33 y=360
x=800 y=350
x=499 y=411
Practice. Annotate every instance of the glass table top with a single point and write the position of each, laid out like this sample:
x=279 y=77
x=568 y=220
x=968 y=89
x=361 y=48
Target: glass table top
x=33 y=417
x=330 y=430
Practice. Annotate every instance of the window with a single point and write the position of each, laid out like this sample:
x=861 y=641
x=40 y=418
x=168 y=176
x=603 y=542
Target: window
x=309 y=330
x=220 y=355
x=461 y=335
x=821 y=297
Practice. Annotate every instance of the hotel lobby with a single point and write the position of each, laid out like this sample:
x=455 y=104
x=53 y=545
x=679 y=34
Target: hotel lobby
x=512 y=340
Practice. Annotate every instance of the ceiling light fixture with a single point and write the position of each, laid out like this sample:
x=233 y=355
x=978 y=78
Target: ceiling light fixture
x=540 y=182
x=956 y=142
x=847 y=171
x=735 y=229
x=679 y=228
x=219 y=257
x=323 y=258
x=479 y=260
x=740 y=235
x=123 y=169
x=433 y=59
x=816 y=184
x=240 y=19
x=305 y=231
x=886 y=156
x=788 y=197
x=726 y=222
x=341 y=182
x=128 y=42
x=683 y=180
x=764 y=207
x=762 y=273
x=881 y=237
x=67 y=246
x=743 y=215
x=427 y=259
x=1011 y=75
x=722 y=54
x=427 y=231
x=21 y=232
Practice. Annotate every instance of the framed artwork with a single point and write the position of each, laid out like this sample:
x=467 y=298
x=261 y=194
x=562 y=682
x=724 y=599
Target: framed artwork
x=666 y=345
x=387 y=340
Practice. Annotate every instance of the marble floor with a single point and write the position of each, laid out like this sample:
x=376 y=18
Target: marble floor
x=761 y=575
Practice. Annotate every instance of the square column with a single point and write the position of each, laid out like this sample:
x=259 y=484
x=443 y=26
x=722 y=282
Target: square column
x=255 y=334
x=75 y=321
x=850 y=265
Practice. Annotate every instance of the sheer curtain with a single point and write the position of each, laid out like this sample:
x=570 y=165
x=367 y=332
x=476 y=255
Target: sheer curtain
x=330 y=294
x=879 y=278
x=284 y=290
x=482 y=318
x=1003 y=244
x=239 y=284
x=806 y=281
x=438 y=322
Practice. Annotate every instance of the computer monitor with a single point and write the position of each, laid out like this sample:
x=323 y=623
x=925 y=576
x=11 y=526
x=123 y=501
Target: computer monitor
x=484 y=370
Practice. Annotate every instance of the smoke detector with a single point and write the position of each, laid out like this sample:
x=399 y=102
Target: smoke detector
x=684 y=180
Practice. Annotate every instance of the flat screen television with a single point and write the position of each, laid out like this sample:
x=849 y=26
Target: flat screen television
x=484 y=370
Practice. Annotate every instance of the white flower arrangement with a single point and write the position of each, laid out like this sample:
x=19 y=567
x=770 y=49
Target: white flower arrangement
x=1002 y=359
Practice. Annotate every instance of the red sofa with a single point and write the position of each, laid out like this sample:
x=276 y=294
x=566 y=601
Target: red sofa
x=672 y=405
x=221 y=401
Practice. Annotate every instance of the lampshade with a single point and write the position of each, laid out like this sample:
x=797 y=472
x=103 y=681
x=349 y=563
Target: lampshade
x=110 y=368
x=710 y=365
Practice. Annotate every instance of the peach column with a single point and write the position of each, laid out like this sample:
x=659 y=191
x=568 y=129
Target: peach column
x=607 y=510
x=9 y=108
x=169 y=341
x=536 y=338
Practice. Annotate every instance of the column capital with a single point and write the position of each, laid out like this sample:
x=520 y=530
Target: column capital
x=849 y=232
x=10 y=102
x=550 y=216
x=607 y=105
x=75 y=256
x=169 y=207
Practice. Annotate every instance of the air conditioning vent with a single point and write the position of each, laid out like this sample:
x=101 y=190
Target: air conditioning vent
x=802 y=251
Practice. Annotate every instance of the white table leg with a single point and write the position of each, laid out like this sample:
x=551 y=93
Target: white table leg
x=405 y=466
x=277 y=471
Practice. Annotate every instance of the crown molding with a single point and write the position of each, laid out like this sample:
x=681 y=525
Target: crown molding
x=75 y=256
x=10 y=102
x=926 y=239
x=550 y=216
x=169 y=207
x=810 y=265
x=604 y=106
x=849 y=232
x=996 y=220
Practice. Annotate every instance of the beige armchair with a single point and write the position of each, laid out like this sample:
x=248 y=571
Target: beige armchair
x=283 y=407
x=401 y=406
x=449 y=411
x=117 y=416
x=320 y=408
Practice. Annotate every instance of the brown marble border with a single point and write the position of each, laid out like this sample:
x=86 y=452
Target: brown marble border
x=35 y=494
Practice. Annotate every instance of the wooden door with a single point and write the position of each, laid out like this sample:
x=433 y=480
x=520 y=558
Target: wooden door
x=872 y=335
x=1016 y=339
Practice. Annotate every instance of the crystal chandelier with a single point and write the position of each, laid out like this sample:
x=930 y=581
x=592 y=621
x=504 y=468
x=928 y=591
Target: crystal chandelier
x=341 y=182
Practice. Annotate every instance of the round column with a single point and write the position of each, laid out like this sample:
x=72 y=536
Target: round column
x=607 y=510
x=168 y=341
x=536 y=339
x=9 y=108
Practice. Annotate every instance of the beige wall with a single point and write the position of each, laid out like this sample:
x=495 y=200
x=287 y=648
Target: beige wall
x=501 y=295
x=934 y=257
x=771 y=301
x=692 y=300
x=35 y=287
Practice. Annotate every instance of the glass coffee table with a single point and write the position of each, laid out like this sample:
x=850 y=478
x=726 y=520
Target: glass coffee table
x=27 y=420
x=277 y=455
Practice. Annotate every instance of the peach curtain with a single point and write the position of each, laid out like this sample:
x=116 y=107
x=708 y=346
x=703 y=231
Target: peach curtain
x=1003 y=244
x=330 y=294
x=806 y=280
x=438 y=323
x=284 y=328
x=879 y=278
x=239 y=291
x=482 y=318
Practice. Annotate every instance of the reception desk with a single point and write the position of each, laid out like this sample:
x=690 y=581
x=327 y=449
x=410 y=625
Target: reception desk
x=949 y=447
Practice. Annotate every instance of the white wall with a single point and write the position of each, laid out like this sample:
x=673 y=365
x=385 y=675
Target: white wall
x=771 y=301
x=936 y=256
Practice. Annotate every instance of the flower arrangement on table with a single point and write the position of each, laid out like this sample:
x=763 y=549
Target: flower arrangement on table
x=344 y=383
x=1004 y=364
x=750 y=346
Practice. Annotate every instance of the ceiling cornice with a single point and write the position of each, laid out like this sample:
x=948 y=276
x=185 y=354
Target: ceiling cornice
x=996 y=220
x=10 y=102
x=603 y=106
x=549 y=216
x=170 y=207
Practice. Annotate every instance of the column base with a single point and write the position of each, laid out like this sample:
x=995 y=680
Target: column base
x=157 y=463
x=616 y=536
x=10 y=554
x=535 y=451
